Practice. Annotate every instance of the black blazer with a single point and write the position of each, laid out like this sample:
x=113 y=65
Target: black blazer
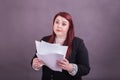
x=79 y=56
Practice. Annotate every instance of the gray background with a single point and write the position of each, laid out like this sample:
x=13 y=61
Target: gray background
x=24 y=21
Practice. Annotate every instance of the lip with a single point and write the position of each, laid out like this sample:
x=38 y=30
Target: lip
x=58 y=30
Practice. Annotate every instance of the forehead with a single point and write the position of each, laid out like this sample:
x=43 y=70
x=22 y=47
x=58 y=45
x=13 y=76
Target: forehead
x=60 y=18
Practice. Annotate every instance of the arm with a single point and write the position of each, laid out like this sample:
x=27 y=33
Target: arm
x=79 y=63
x=35 y=62
x=82 y=59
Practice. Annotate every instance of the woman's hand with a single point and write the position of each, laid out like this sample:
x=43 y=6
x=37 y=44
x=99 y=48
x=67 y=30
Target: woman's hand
x=65 y=65
x=37 y=64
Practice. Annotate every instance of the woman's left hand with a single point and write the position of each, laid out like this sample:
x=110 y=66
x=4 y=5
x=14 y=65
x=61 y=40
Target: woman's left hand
x=65 y=65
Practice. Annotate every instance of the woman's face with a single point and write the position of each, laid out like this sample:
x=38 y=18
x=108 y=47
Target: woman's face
x=61 y=26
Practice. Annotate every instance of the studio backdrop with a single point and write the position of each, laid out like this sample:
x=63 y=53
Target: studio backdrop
x=22 y=22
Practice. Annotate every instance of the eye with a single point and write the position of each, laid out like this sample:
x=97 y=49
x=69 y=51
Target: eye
x=63 y=24
x=57 y=22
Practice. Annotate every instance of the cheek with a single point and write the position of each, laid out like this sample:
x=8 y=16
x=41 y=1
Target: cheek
x=66 y=29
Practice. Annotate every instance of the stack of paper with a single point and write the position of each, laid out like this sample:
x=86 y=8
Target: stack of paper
x=50 y=53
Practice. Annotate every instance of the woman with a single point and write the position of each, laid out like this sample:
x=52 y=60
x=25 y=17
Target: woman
x=76 y=63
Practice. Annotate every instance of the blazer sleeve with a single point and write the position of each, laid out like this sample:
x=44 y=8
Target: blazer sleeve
x=82 y=59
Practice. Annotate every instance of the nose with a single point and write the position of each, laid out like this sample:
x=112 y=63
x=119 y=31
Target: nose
x=58 y=25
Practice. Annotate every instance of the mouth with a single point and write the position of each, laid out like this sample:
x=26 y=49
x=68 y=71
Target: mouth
x=58 y=30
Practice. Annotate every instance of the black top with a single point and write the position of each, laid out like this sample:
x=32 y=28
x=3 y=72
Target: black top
x=79 y=56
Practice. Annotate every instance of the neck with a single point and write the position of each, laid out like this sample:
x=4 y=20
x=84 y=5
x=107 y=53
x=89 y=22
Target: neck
x=60 y=40
x=61 y=37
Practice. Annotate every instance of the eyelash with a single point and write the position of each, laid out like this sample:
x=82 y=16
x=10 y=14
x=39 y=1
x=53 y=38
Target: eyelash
x=63 y=24
x=57 y=22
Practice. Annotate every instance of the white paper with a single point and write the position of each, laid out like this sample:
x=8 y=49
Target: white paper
x=50 y=53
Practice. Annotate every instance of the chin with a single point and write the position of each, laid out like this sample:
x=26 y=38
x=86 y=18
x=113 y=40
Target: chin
x=58 y=34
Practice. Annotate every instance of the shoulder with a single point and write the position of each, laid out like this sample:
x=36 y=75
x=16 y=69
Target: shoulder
x=46 y=38
x=77 y=40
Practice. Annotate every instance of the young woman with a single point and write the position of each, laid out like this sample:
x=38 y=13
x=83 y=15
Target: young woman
x=76 y=63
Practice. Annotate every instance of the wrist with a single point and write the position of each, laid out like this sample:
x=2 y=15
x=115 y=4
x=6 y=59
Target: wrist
x=74 y=70
x=70 y=69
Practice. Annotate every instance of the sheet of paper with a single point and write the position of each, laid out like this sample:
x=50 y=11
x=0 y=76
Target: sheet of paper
x=50 y=53
x=50 y=60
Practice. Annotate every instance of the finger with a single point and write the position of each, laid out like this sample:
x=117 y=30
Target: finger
x=61 y=63
x=63 y=67
x=65 y=60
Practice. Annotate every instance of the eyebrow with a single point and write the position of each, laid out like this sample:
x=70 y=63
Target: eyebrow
x=57 y=19
x=62 y=21
x=65 y=21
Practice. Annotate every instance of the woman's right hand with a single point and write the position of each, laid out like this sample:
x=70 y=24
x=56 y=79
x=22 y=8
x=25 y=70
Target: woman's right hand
x=37 y=64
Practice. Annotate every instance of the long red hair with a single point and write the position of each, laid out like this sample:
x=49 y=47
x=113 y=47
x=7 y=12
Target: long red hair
x=70 y=33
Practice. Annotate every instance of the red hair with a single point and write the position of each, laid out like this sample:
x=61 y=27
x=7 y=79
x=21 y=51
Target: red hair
x=70 y=33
